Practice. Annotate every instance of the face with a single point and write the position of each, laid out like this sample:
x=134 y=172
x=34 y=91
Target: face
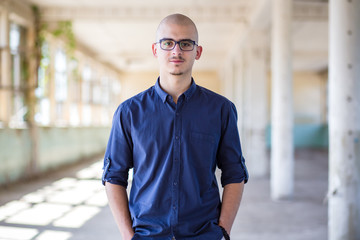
x=176 y=62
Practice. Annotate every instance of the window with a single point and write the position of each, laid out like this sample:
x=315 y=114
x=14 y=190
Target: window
x=86 y=84
x=60 y=76
x=74 y=92
x=97 y=92
x=19 y=74
x=42 y=115
x=86 y=95
x=61 y=86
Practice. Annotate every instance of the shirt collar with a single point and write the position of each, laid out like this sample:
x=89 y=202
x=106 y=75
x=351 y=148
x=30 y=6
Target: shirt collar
x=163 y=95
x=188 y=93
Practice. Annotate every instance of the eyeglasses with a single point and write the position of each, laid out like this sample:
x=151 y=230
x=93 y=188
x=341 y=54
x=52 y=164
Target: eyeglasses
x=168 y=44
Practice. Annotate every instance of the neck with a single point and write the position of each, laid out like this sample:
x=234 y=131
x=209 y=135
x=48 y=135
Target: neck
x=175 y=85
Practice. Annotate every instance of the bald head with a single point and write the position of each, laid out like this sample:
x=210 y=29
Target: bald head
x=177 y=19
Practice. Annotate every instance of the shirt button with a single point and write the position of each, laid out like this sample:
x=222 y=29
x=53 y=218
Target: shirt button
x=175 y=183
x=177 y=137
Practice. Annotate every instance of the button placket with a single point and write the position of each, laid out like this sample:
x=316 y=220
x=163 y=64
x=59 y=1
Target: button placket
x=176 y=163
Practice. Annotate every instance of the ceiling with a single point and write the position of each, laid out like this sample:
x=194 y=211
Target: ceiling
x=120 y=33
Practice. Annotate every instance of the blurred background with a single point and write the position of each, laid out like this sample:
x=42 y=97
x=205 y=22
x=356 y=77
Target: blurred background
x=66 y=65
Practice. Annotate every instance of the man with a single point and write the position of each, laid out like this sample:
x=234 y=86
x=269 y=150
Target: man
x=174 y=135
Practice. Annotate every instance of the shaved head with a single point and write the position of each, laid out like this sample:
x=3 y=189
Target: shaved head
x=176 y=19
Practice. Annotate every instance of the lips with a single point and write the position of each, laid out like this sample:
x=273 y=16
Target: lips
x=177 y=60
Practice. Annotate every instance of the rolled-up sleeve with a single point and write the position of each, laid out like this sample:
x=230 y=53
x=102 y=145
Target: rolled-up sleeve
x=229 y=157
x=118 y=154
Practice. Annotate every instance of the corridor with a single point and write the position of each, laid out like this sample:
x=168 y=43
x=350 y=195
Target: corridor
x=290 y=67
x=71 y=205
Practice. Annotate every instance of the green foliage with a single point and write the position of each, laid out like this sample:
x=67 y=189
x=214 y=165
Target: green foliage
x=64 y=30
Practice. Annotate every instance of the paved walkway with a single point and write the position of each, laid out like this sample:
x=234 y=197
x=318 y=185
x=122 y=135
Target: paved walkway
x=71 y=205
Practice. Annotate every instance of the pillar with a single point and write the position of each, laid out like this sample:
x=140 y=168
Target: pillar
x=282 y=156
x=239 y=93
x=228 y=81
x=344 y=120
x=5 y=61
x=30 y=101
x=256 y=98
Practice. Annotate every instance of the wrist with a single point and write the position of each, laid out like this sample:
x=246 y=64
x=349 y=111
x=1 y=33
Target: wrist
x=128 y=234
x=225 y=225
x=225 y=233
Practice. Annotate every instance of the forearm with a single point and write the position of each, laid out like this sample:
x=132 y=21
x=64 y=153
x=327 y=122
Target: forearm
x=119 y=205
x=230 y=204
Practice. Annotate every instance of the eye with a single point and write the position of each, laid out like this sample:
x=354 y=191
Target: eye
x=186 y=44
x=167 y=43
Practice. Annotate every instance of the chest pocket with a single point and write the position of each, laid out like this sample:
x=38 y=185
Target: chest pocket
x=203 y=150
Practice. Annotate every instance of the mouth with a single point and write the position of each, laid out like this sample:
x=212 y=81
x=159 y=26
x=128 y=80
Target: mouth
x=176 y=60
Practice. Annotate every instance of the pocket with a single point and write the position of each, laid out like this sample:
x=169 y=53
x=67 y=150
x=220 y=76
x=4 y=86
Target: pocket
x=202 y=150
x=222 y=233
x=225 y=235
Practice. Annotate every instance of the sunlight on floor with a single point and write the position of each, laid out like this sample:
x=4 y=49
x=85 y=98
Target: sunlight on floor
x=40 y=214
x=54 y=235
x=17 y=233
x=67 y=203
x=77 y=217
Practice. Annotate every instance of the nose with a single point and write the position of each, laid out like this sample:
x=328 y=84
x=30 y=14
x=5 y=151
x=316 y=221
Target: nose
x=177 y=49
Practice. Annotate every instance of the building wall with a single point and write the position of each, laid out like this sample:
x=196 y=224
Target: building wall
x=136 y=82
x=59 y=146
x=133 y=83
x=209 y=80
x=310 y=97
x=310 y=110
x=55 y=147
x=15 y=154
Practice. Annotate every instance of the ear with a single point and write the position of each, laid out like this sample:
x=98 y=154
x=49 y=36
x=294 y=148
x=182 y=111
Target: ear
x=154 y=49
x=198 y=52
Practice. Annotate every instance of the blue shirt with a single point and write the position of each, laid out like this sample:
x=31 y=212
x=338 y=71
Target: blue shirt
x=174 y=150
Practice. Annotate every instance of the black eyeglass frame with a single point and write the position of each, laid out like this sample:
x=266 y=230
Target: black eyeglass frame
x=177 y=42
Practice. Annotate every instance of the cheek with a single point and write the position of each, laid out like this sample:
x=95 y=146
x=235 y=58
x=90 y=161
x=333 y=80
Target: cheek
x=162 y=56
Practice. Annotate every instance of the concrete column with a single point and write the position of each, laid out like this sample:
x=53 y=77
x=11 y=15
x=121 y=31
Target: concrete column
x=5 y=61
x=239 y=92
x=255 y=116
x=30 y=100
x=344 y=120
x=282 y=156
x=228 y=81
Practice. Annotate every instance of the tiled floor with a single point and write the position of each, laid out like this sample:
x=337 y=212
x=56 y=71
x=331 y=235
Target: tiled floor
x=71 y=205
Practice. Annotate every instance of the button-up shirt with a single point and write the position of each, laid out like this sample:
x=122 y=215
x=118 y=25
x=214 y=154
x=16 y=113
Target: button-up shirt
x=174 y=149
